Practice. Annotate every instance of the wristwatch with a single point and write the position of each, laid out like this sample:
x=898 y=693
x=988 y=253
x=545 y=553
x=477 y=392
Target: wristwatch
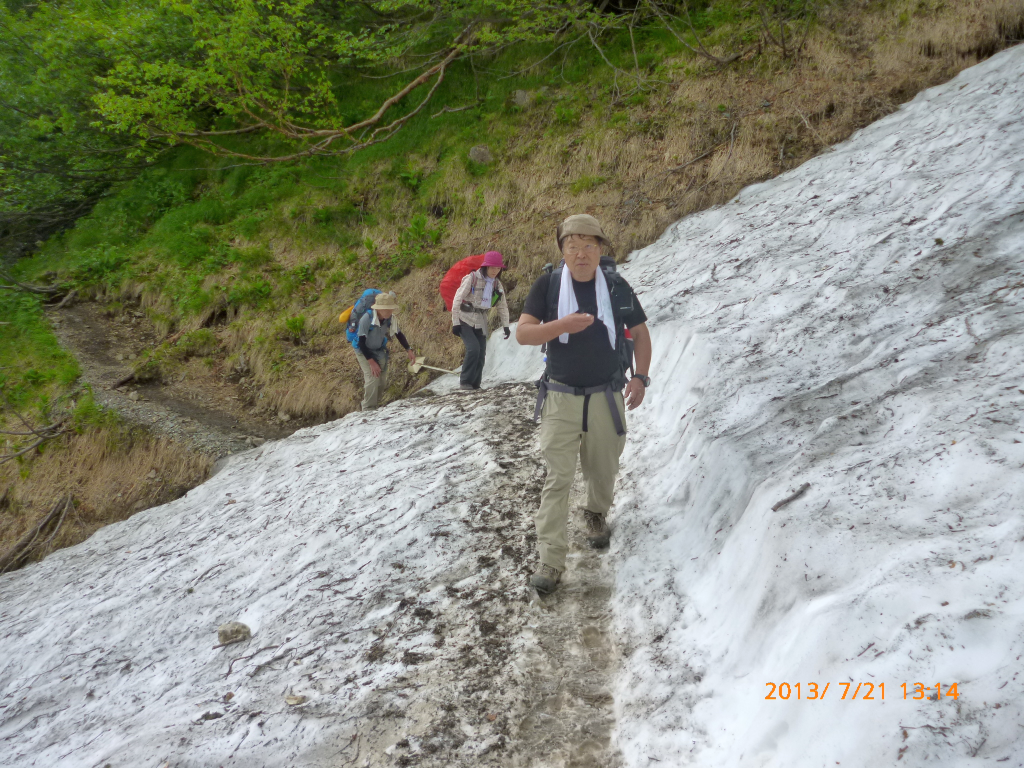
x=645 y=379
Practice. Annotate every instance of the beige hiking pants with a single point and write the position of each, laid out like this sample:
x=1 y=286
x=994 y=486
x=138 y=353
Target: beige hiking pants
x=372 y=386
x=562 y=439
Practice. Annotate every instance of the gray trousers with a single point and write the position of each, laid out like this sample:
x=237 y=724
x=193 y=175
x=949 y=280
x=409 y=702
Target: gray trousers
x=475 y=340
x=372 y=385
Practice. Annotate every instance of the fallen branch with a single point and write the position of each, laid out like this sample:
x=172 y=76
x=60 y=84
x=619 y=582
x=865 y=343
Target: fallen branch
x=246 y=658
x=11 y=456
x=68 y=504
x=67 y=299
x=448 y=110
x=10 y=559
x=206 y=573
x=15 y=285
x=697 y=159
x=51 y=430
x=123 y=381
x=44 y=433
x=811 y=127
x=789 y=499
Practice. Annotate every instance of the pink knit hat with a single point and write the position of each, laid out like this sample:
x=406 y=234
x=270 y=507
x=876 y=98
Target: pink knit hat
x=493 y=259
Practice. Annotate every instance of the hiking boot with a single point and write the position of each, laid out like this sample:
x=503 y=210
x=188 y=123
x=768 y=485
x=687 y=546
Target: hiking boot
x=545 y=579
x=468 y=387
x=598 y=532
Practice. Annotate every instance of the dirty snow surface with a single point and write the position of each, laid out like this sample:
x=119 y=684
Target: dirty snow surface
x=858 y=325
x=851 y=330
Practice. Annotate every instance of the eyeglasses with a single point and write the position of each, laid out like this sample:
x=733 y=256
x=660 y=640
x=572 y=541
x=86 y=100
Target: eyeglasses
x=590 y=248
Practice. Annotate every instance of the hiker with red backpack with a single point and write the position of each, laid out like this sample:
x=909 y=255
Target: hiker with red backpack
x=581 y=311
x=371 y=324
x=479 y=292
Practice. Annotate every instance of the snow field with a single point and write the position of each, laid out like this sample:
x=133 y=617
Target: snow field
x=380 y=562
x=855 y=325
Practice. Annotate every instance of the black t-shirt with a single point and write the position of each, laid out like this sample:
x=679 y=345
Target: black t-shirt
x=587 y=359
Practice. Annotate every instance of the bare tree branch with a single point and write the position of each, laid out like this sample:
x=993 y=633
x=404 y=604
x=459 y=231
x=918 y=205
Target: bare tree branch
x=700 y=50
x=41 y=290
x=324 y=138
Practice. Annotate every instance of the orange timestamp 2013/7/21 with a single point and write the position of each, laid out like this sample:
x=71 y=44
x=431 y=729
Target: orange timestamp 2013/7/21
x=862 y=691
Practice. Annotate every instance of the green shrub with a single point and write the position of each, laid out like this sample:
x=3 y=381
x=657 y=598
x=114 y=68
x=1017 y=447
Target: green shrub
x=201 y=341
x=302 y=274
x=33 y=365
x=413 y=249
x=235 y=181
x=89 y=414
x=253 y=293
x=250 y=226
x=296 y=326
x=106 y=265
x=586 y=183
x=251 y=256
x=567 y=115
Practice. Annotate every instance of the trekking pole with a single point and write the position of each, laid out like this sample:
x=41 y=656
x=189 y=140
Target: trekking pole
x=418 y=365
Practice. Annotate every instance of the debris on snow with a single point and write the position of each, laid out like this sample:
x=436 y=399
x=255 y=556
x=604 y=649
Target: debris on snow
x=233 y=632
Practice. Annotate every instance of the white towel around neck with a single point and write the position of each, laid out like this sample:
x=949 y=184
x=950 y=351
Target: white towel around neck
x=567 y=303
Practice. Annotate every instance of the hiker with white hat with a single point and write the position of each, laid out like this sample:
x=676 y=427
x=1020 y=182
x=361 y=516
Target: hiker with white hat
x=581 y=311
x=479 y=293
x=376 y=328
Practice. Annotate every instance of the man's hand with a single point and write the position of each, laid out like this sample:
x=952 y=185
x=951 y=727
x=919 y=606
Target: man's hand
x=576 y=322
x=457 y=331
x=635 y=391
x=411 y=354
x=374 y=368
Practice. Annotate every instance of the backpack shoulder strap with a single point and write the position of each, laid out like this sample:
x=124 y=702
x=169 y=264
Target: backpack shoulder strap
x=554 y=288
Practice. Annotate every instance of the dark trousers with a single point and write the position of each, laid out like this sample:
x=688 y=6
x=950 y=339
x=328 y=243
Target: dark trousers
x=475 y=340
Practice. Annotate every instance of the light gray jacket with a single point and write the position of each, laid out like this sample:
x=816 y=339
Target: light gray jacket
x=471 y=290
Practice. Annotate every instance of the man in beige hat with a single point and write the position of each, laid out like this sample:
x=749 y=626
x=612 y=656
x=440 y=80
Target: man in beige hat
x=376 y=328
x=581 y=311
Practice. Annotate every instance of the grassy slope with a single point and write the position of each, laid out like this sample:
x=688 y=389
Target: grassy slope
x=248 y=266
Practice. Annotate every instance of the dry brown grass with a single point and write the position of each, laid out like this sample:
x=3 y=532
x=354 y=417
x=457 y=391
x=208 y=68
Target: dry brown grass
x=748 y=122
x=107 y=474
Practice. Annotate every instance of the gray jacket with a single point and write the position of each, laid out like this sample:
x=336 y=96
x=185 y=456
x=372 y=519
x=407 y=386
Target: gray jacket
x=377 y=335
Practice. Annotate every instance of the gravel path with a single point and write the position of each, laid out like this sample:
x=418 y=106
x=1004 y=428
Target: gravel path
x=106 y=348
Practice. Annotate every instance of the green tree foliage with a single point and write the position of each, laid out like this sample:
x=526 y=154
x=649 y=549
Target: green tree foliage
x=286 y=68
x=56 y=157
x=93 y=90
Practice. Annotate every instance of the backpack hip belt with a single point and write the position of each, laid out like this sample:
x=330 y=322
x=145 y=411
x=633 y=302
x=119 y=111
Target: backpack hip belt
x=545 y=385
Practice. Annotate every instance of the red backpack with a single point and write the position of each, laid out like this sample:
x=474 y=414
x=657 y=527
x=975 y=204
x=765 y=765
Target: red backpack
x=453 y=277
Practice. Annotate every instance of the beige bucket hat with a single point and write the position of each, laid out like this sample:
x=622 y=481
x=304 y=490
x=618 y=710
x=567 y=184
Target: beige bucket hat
x=386 y=301
x=580 y=224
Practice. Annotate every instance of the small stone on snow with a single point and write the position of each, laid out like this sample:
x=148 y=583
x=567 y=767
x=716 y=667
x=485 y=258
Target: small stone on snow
x=233 y=632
